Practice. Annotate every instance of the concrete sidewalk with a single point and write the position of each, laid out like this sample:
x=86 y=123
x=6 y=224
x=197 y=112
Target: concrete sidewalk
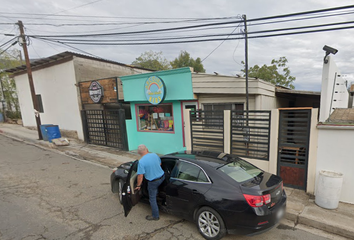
x=301 y=209
x=110 y=157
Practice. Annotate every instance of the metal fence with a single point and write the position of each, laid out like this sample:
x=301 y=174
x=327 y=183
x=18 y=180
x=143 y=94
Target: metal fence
x=105 y=127
x=250 y=137
x=207 y=130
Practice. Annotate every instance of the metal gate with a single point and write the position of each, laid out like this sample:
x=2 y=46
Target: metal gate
x=293 y=146
x=207 y=130
x=105 y=127
x=250 y=136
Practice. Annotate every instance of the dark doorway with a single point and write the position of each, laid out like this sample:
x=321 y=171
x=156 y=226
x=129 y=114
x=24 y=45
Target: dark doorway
x=105 y=127
x=293 y=146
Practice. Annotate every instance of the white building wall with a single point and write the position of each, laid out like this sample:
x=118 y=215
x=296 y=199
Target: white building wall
x=334 y=154
x=56 y=84
x=334 y=93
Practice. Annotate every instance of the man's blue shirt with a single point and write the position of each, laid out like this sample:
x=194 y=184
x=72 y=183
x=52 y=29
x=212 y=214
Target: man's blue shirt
x=150 y=166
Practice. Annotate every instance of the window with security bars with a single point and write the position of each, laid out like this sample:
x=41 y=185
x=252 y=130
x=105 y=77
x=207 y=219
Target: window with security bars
x=214 y=116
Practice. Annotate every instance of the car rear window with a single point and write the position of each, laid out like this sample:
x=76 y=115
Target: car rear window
x=240 y=170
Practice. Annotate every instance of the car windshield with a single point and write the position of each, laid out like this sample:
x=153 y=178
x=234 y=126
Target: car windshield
x=240 y=170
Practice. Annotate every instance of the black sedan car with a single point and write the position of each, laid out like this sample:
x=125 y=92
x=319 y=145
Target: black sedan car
x=221 y=193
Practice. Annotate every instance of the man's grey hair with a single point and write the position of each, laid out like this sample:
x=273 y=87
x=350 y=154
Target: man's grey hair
x=142 y=148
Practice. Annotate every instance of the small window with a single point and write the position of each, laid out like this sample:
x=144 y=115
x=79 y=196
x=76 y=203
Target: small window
x=189 y=172
x=214 y=113
x=40 y=103
x=155 y=118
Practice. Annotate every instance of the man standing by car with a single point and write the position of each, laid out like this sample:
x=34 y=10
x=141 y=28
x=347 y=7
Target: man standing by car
x=150 y=168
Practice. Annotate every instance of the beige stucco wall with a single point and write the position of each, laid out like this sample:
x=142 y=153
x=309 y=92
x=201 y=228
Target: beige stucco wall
x=219 y=84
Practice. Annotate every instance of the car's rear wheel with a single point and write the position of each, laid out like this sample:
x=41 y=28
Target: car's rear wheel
x=210 y=224
x=120 y=190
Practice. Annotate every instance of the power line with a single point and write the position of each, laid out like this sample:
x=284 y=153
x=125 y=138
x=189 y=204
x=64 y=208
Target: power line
x=139 y=32
x=200 y=36
x=7 y=42
x=112 y=17
x=203 y=40
x=201 y=25
x=67 y=45
x=301 y=13
x=82 y=5
x=221 y=43
x=8 y=47
x=303 y=18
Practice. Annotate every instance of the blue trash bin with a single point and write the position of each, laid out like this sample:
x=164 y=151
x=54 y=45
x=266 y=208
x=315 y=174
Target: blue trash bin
x=44 y=131
x=53 y=132
x=1 y=117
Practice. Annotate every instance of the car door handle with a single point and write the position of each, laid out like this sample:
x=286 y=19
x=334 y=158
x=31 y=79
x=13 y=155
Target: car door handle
x=194 y=191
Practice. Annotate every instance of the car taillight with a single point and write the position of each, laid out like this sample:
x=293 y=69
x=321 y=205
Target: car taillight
x=257 y=201
x=266 y=198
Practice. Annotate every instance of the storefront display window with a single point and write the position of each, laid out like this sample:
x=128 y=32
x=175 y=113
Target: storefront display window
x=158 y=118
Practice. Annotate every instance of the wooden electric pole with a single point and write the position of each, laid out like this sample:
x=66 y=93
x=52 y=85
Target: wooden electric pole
x=23 y=42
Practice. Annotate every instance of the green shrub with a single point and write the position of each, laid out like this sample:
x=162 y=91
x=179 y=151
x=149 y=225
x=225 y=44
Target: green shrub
x=13 y=115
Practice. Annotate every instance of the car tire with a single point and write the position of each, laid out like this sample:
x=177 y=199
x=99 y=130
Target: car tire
x=120 y=189
x=210 y=224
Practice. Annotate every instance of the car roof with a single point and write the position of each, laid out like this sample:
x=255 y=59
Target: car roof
x=211 y=158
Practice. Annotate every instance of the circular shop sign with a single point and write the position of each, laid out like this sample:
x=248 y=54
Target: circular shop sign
x=95 y=92
x=155 y=90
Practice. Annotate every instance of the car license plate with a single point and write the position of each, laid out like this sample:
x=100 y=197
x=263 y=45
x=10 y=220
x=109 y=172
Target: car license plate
x=280 y=213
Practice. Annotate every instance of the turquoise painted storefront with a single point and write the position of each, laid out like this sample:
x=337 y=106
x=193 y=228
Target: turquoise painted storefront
x=151 y=124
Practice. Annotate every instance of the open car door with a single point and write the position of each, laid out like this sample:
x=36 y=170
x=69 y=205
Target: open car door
x=130 y=197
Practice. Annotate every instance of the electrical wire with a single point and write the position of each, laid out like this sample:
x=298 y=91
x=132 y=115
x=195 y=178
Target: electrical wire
x=203 y=40
x=201 y=36
x=220 y=43
x=139 y=32
x=82 y=5
x=8 y=47
x=201 y=25
x=67 y=45
x=116 y=17
x=2 y=45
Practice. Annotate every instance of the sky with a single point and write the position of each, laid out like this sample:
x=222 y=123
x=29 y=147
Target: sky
x=304 y=52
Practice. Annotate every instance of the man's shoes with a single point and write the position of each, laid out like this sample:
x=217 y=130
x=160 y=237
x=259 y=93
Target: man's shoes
x=151 y=218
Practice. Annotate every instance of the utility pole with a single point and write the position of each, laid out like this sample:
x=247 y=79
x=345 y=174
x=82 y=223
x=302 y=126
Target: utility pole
x=246 y=130
x=246 y=66
x=23 y=42
x=3 y=99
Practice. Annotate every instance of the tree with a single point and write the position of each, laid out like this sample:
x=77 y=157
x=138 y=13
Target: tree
x=152 y=60
x=184 y=60
x=277 y=73
x=8 y=60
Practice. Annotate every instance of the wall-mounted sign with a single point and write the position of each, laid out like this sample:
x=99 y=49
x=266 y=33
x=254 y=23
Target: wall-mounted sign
x=109 y=86
x=95 y=91
x=155 y=90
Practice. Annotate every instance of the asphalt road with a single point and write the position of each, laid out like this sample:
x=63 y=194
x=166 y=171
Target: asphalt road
x=44 y=195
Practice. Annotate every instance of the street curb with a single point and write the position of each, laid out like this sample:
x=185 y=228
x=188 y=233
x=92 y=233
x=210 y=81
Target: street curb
x=326 y=227
x=291 y=216
x=52 y=150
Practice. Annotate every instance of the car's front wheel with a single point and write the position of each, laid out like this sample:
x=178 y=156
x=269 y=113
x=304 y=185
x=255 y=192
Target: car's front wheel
x=120 y=190
x=210 y=224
